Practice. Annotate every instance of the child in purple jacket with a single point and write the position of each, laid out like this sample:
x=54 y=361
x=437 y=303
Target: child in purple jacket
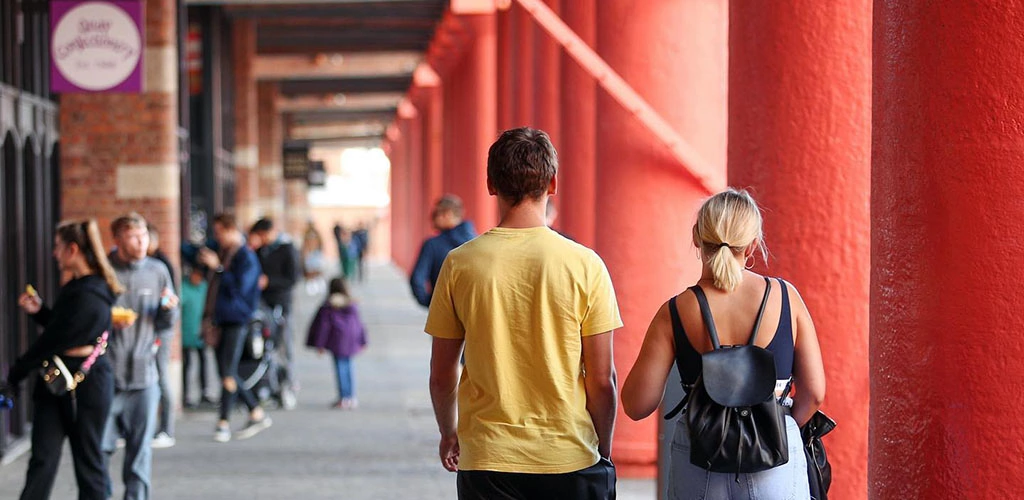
x=338 y=329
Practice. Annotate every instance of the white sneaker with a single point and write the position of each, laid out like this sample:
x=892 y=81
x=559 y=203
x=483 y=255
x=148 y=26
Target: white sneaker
x=162 y=440
x=222 y=434
x=254 y=427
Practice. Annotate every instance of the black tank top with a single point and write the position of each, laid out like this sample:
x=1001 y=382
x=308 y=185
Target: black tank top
x=781 y=345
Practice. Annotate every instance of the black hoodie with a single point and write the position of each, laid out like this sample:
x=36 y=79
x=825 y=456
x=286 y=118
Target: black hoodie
x=79 y=316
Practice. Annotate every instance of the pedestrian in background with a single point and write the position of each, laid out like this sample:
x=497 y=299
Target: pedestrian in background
x=193 y=298
x=452 y=232
x=232 y=301
x=338 y=328
x=313 y=259
x=165 y=416
x=133 y=347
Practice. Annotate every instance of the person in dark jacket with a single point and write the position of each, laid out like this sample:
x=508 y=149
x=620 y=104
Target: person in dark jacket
x=447 y=218
x=72 y=330
x=232 y=301
x=338 y=329
x=279 y=260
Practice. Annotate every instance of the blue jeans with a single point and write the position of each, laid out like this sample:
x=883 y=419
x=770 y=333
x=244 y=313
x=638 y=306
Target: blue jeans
x=343 y=371
x=229 y=354
x=133 y=417
x=785 y=482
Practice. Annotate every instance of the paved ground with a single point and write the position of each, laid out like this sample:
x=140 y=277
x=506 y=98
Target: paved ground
x=384 y=450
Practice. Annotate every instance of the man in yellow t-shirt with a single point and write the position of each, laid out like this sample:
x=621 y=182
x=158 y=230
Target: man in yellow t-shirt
x=535 y=312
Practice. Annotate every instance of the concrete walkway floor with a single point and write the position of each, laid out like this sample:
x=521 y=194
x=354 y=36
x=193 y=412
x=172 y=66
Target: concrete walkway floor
x=386 y=449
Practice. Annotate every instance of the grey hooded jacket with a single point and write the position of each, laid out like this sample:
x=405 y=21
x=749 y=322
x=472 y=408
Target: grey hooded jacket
x=133 y=350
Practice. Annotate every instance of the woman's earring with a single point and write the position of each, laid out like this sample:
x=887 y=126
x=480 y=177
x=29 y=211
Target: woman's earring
x=749 y=263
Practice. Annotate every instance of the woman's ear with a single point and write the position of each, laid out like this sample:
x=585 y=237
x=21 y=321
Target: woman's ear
x=696 y=240
x=751 y=248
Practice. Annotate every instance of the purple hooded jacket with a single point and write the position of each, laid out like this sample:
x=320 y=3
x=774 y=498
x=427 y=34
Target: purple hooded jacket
x=337 y=328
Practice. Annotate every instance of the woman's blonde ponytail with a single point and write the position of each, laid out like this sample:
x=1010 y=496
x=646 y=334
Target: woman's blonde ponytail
x=727 y=224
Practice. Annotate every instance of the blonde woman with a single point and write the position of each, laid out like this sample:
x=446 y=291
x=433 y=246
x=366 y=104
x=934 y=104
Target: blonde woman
x=79 y=317
x=728 y=235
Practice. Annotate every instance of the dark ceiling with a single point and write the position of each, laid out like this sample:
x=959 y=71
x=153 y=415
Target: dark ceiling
x=346 y=27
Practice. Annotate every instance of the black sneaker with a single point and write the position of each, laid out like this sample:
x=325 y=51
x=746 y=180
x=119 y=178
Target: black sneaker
x=253 y=428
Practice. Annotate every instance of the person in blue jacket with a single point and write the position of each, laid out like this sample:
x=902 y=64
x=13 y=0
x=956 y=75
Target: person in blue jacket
x=233 y=298
x=454 y=231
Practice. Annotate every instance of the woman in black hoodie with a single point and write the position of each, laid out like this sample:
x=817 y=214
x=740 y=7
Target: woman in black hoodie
x=79 y=317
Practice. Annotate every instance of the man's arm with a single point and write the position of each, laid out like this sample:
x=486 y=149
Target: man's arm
x=420 y=276
x=600 y=382
x=444 y=379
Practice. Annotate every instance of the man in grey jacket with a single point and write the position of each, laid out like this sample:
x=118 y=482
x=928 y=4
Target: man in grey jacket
x=132 y=348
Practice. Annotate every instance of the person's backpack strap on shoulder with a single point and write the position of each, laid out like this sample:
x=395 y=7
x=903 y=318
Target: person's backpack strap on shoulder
x=679 y=336
x=705 y=312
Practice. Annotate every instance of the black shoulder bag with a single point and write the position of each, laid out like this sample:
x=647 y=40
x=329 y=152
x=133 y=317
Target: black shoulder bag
x=736 y=423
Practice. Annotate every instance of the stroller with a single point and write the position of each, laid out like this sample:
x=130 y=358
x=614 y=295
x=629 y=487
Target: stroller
x=263 y=368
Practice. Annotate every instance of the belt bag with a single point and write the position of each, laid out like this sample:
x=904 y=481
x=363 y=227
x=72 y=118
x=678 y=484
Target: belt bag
x=59 y=380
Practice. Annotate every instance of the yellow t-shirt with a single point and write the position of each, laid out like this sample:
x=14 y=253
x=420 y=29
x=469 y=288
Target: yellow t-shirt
x=523 y=299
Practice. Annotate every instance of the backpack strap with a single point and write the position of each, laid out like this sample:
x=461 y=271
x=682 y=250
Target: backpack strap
x=705 y=312
x=678 y=335
x=760 y=312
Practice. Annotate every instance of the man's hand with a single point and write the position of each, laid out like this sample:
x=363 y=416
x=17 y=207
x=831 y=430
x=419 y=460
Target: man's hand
x=30 y=303
x=122 y=323
x=208 y=258
x=449 y=451
x=168 y=300
x=264 y=281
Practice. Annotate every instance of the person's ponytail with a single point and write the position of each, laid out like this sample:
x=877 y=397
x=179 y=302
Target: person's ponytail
x=727 y=225
x=85 y=234
x=726 y=270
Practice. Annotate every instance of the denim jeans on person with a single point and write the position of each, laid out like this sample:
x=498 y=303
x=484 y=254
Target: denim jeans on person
x=690 y=482
x=229 y=354
x=165 y=419
x=343 y=372
x=133 y=416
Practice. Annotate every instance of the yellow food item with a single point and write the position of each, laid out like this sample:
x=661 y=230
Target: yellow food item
x=30 y=290
x=122 y=314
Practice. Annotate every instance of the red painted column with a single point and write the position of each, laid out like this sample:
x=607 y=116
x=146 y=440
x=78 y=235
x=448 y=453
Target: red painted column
x=547 y=80
x=399 y=198
x=674 y=54
x=433 y=144
x=800 y=137
x=473 y=122
x=946 y=295
x=506 y=52
x=415 y=207
x=577 y=169
x=523 y=26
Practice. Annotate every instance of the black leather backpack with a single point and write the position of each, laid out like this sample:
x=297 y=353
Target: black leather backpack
x=736 y=423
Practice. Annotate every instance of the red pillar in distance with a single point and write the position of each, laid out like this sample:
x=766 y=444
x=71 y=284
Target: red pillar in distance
x=523 y=28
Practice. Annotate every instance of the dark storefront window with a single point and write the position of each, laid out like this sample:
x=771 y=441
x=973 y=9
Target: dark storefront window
x=29 y=196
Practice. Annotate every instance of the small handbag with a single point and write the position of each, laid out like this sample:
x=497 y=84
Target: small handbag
x=59 y=380
x=819 y=470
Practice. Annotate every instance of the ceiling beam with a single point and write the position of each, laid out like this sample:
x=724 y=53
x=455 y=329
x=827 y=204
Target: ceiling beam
x=346 y=85
x=339 y=101
x=334 y=116
x=335 y=65
x=339 y=129
x=396 y=9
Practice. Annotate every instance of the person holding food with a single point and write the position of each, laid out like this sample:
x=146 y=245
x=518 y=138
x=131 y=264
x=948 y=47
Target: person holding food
x=134 y=342
x=74 y=333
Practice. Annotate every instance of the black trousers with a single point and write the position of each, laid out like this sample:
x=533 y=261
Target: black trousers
x=596 y=482
x=186 y=358
x=82 y=421
x=229 y=354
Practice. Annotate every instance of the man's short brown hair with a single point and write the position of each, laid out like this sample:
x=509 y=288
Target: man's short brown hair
x=226 y=220
x=128 y=221
x=449 y=203
x=521 y=164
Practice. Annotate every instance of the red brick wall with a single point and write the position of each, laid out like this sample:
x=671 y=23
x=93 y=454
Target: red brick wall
x=271 y=138
x=246 y=158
